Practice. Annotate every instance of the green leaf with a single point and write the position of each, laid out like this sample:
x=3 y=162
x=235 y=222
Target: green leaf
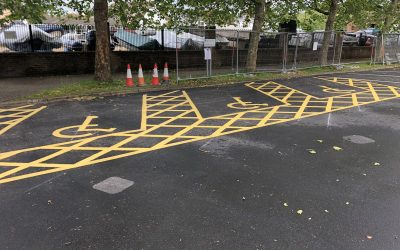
x=337 y=148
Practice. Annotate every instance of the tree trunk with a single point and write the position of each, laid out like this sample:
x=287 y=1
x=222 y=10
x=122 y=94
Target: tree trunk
x=251 y=62
x=102 y=69
x=330 y=21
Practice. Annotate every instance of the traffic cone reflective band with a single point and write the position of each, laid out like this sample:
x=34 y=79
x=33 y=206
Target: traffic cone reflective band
x=140 y=76
x=129 y=80
x=155 y=80
x=165 y=77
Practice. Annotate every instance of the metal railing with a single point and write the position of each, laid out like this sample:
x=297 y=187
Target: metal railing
x=228 y=48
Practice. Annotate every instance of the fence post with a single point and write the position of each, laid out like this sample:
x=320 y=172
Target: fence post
x=294 y=67
x=341 y=47
x=237 y=52
x=285 y=51
x=162 y=38
x=31 y=38
x=373 y=51
x=383 y=48
x=176 y=56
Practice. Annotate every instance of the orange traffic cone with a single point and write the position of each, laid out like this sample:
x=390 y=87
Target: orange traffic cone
x=129 y=80
x=165 y=79
x=140 y=76
x=155 y=80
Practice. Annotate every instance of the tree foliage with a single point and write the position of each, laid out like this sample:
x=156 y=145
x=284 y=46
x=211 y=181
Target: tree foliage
x=311 y=20
x=31 y=10
x=385 y=14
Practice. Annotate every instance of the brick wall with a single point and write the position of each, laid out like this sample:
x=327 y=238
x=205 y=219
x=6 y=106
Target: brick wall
x=68 y=63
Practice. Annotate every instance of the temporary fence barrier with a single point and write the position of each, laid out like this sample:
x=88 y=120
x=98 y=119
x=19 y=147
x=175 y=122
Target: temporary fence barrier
x=202 y=52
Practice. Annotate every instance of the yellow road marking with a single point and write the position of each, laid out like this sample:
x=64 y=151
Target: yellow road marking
x=196 y=111
x=373 y=92
x=294 y=104
x=86 y=126
x=20 y=113
x=302 y=107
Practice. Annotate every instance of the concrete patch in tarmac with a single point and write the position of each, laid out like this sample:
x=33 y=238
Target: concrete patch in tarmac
x=221 y=147
x=358 y=139
x=113 y=185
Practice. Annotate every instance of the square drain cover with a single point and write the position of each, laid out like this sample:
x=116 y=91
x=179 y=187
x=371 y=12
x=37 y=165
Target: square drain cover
x=113 y=185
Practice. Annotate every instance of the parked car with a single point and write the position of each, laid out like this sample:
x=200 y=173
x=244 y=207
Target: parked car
x=91 y=41
x=74 y=41
x=17 y=38
x=359 y=38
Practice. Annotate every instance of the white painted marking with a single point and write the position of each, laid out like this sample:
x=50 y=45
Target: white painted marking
x=113 y=185
x=42 y=183
x=329 y=121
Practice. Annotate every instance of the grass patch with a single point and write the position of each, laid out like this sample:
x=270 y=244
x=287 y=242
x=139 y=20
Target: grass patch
x=93 y=88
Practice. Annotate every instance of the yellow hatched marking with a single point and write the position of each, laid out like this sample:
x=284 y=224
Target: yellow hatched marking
x=144 y=112
x=373 y=92
x=150 y=97
x=226 y=125
x=302 y=107
x=354 y=98
x=268 y=116
x=166 y=100
x=394 y=91
x=154 y=115
x=179 y=134
x=20 y=111
x=288 y=96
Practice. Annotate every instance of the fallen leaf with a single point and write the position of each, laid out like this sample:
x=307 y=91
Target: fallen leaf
x=312 y=151
x=299 y=211
x=377 y=164
x=285 y=204
x=337 y=148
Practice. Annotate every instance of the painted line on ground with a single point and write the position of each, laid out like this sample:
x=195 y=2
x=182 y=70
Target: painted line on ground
x=369 y=74
x=168 y=122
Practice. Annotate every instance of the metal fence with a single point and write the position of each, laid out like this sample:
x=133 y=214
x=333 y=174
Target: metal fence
x=46 y=38
x=203 y=52
x=391 y=48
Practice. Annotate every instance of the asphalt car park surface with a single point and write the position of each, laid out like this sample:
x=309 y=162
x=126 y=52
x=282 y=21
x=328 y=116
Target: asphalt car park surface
x=306 y=163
